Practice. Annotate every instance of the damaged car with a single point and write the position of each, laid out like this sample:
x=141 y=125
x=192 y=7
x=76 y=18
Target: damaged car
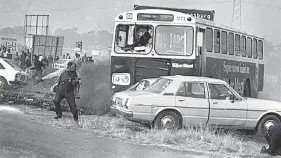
x=172 y=102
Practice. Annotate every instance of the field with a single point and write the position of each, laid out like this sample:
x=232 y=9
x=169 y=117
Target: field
x=207 y=142
x=95 y=99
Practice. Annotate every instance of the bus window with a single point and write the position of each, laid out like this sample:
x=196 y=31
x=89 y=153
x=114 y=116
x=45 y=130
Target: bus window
x=223 y=42
x=249 y=47
x=230 y=43
x=260 y=50
x=243 y=46
x=209 y=39
x=174 y=40
x=217 y=41
x=237 y=45
x=131 y=38
x=255 y=55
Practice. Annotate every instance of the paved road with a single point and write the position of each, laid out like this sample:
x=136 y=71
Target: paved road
x=20 y=137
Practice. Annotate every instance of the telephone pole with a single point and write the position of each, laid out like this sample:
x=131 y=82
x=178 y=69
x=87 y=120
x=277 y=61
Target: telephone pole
x=236 y=13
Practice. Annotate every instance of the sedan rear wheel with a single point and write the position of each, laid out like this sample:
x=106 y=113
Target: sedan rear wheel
x=167 y=120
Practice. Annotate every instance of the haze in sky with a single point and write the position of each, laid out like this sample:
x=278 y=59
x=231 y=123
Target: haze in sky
x=258 y=16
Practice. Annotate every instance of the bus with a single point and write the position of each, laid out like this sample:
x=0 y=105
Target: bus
x=151 y=43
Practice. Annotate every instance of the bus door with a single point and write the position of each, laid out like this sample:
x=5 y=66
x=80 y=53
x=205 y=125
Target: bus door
x=200 y=52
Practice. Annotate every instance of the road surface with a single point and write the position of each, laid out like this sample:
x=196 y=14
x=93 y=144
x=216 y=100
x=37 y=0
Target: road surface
x=20 y=137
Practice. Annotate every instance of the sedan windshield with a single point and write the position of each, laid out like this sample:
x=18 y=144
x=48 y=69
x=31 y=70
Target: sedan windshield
x=159 y=85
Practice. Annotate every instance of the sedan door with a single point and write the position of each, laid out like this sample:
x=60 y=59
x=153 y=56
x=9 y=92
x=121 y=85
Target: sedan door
x=226 y=108
x=192 y=100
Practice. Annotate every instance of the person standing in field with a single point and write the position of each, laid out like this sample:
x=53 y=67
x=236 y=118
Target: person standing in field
x=65 y=87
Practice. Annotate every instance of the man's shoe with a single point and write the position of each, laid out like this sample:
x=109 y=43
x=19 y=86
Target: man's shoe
x=77 y=124
x=263 y=150
x=57 y=117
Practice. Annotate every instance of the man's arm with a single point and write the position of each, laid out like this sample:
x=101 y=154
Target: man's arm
x=53 y=74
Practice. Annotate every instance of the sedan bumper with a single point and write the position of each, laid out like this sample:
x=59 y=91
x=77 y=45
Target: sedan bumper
x=121 y=111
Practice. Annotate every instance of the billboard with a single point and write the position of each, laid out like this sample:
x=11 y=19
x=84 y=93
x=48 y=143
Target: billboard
x=35 y=25
x=11 y=42
x=46 y=45
x=204 y=14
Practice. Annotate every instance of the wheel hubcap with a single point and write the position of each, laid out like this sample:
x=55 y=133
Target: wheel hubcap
x=167 y=122
x=268 y=123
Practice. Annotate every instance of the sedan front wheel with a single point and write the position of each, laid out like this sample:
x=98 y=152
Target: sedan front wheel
x=167 y=120
x=265 y=123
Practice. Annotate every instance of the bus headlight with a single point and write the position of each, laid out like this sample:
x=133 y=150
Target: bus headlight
x=121 y=78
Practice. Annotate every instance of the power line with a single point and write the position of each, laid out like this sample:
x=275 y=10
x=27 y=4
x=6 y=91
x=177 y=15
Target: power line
x=51 y=10
x=108 y=7
x=264 y=5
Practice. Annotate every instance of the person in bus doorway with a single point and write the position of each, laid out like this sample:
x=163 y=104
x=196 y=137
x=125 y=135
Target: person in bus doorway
x=273 y=138
x=67 y=81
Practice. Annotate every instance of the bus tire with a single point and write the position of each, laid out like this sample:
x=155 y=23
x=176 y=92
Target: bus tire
x=247 y=88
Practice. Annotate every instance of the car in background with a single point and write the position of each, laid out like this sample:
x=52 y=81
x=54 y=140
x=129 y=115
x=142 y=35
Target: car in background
x=142 y=84
x=61 y=64
x=11 y=74
x=173 y=101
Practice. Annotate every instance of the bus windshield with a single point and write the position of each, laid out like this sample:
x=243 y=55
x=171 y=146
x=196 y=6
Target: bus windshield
x=174 y=40
x=133 y=38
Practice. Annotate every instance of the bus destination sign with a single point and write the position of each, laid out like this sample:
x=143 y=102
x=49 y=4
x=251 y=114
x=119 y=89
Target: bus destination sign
x=155 y=17
x=203 y=14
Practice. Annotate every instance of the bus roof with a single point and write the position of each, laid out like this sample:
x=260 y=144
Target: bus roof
x=228 y=28
x=196 y=20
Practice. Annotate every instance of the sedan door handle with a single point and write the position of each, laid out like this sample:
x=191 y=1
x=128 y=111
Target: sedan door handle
x=215 y=102
x=181 y=100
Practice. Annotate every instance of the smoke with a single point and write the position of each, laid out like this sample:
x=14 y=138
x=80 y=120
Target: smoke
x=95 y=95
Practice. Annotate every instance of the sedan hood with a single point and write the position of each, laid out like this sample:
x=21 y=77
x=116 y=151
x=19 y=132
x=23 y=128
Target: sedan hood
x=262 y=104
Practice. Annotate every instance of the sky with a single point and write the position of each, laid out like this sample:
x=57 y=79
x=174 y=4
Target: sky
x=261 y=17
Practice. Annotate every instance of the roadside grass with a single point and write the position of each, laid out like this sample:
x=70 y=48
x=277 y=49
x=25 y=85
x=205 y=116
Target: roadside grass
x=208 y=141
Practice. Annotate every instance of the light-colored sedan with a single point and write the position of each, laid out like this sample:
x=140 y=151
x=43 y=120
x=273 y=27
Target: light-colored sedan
x=173 y=101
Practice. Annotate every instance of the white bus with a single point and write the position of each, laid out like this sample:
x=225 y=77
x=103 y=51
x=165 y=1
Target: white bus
x=152 y=42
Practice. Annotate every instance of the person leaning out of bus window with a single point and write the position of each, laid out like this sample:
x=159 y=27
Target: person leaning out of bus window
x=142 y=38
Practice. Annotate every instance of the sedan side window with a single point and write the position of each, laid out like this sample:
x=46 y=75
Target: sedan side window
x=191 y=89
x=1 y=66
x=220 y=91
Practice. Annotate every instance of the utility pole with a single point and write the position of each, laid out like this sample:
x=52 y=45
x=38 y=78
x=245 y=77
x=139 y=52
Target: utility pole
x=236 y=12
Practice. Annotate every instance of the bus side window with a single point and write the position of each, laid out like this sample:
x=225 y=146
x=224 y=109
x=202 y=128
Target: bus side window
x=209 y=39
x=230 y=43
x=223 y=42
x=217 y=41
x=255 y=55
x=249 y=47
x=243 y=46
x=260 y=50
x=237 y=45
